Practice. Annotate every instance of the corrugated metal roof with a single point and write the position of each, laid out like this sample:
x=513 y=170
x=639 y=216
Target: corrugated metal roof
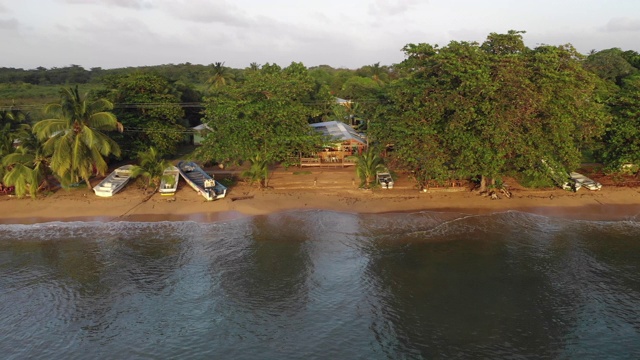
x=339 y=130
x=201 y=127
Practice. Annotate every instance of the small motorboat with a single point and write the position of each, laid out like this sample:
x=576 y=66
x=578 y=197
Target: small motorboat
x=114 y=182
x=385 y=180
x=583 y=181
x=169 y=181
x=201 y=182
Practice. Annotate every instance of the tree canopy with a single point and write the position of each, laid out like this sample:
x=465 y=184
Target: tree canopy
x=486 y=110
x=150 y=111
x=264 y=117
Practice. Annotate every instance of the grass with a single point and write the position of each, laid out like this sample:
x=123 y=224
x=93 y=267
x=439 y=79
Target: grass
x=35 y=96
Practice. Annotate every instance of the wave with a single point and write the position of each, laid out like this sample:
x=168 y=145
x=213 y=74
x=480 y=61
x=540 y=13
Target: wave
x=423 y=226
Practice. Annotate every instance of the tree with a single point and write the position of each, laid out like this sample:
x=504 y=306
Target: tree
x=150 y=111
x=151 y=167
x=259 y=171
x=220 y=75
x=27 y=170
x=470 y=110
x=610 y=65
x=14 y=128
x=368 y=164
x=621 y=142
x=75 y=136
x=265 y=117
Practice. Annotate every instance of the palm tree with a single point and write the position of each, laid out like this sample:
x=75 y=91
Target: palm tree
x=151 y=168
x=75 y=136
x=220 y=75
x=27 y=169
x=367 y=165
x=258 y=171
x=376 y=71
x=13 y=126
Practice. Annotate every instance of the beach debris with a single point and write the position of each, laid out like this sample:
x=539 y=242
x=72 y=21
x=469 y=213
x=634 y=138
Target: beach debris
x=242 y=197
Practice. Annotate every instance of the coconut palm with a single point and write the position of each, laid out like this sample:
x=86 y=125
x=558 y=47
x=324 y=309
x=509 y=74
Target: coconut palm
x=220 y=75
x=27 y=169
x=13 y=126
x=151 y=168
x=367 y=165
x=75 y=138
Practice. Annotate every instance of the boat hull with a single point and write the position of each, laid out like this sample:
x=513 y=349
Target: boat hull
x=169 y=187
x=114 y=182
x=201 y=182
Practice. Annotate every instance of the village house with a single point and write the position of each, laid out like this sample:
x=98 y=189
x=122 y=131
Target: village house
x=347 y=144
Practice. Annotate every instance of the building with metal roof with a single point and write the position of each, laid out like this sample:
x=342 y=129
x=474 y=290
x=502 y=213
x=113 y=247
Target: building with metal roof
x=340 y=131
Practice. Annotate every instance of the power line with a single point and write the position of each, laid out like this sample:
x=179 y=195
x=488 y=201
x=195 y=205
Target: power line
x=182 y=105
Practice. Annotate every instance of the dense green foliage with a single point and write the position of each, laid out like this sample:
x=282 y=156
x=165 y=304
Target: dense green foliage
x=27 y=169
x=264 y=117
x=464 y=110
x=149 y=109
x=620 y=73
x=488 y=110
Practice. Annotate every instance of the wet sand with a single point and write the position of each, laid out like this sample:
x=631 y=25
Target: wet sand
x=314 y=189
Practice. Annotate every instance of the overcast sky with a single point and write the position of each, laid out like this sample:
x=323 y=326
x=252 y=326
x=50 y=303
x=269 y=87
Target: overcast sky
x=340 y=33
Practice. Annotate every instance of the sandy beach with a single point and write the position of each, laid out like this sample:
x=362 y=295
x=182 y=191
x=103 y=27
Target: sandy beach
x=334 y=189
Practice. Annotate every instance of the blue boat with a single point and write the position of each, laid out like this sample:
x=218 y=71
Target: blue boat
x=201 y=182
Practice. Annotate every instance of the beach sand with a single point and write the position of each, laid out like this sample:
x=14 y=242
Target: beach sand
x=334 y=189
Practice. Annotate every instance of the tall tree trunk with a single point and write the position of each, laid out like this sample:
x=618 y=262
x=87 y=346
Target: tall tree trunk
x=483 y=183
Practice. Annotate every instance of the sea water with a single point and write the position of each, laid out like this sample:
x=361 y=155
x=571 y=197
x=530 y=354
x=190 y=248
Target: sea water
x=322 y=285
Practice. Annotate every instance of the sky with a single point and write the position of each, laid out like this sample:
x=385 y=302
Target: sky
x=339 y=33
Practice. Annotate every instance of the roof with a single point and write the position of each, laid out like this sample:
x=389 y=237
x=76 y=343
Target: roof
x=201 y=127
x=339 y=130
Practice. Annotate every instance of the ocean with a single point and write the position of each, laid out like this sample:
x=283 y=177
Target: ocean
x=323 y=285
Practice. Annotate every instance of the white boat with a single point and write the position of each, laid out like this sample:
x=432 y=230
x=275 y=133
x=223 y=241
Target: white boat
x=583 y=181
x=169 y=181
x=385 y=180
x=201 y=182
x=114 y=182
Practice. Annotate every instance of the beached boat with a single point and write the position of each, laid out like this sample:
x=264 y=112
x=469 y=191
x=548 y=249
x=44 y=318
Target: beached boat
x=385 y=180
x=200 y=181
x=583 y=181
x=114 y=182
x=169 y=182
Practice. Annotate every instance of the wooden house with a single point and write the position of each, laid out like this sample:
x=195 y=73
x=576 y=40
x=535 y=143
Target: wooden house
x=346 y=143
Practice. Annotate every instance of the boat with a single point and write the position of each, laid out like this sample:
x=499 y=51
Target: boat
x=385 y=180
x=114 y=182
x=169 y=181
x=201 y=182
x=583 y=181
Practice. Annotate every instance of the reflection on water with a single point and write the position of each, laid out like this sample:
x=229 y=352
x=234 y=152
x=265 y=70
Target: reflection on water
x=322 y=285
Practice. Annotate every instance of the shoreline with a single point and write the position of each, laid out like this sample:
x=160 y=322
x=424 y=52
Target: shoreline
x=319 y=189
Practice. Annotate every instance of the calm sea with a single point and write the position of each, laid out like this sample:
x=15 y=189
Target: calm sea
x=323 y=285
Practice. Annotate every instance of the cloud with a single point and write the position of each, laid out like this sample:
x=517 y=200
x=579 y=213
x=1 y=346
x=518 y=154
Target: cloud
x=131 y=4
x=622 y=24
x=3 y=8
x=391 y=7
x=206 y=11
x=9 y=24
